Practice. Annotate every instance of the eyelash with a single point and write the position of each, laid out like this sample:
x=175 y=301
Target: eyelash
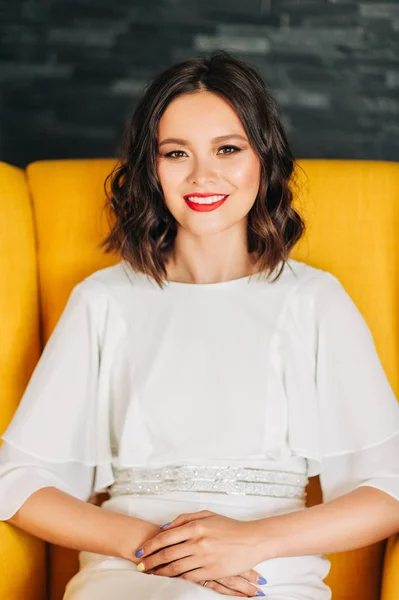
x=235 y=148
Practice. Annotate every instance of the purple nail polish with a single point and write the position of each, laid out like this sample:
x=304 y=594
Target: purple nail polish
x=139 y=553
x=166 y=524
x=262 y=581
x=260 y=594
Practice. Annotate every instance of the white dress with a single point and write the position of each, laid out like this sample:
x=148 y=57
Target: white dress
x=243 y=373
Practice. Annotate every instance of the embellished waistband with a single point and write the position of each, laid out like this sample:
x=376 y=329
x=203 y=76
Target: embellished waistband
x=209 y=479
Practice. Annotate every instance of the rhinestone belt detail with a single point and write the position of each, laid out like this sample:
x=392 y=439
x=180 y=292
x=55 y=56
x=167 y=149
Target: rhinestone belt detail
x=246 y=481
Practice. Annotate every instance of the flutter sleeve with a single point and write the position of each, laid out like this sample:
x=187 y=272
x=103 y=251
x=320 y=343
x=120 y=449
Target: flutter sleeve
x=59 y=434
x=358 y=411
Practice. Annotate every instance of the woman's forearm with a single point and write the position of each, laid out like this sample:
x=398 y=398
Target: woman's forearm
x=61 y=519
x=357 y=519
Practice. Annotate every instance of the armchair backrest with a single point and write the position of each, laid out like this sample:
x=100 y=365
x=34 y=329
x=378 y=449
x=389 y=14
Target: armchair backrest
x=20 y=347
x=352 y=214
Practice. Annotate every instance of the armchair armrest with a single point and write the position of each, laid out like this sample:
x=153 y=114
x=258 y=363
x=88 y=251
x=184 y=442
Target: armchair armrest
x=390 y=576
x=22 y=565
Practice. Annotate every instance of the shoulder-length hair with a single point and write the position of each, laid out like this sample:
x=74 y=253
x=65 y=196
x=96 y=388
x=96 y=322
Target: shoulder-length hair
x=143 y=229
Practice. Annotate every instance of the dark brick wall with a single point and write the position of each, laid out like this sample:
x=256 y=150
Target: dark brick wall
x=71 y=70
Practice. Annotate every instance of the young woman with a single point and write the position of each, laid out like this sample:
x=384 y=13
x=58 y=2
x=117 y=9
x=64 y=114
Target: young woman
x=203 y=378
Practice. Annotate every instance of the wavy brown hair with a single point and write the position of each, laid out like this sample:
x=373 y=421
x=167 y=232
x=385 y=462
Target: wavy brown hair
x=143 y=229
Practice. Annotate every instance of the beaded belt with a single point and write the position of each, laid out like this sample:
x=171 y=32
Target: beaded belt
x=210 y=479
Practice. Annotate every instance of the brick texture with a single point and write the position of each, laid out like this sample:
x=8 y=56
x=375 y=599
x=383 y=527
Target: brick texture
x=71 y=70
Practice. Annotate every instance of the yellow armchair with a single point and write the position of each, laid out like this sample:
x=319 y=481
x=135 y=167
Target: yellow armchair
x=51 y=222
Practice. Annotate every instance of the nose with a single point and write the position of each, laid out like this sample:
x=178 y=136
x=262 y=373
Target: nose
x=203 y=172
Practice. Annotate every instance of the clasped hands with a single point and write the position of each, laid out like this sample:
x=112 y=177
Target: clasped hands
x=205 y=546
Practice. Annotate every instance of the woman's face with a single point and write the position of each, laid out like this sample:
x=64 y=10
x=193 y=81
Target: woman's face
x=204 y=155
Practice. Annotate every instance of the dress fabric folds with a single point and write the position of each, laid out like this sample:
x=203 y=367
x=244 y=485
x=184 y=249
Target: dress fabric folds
x=246 y=373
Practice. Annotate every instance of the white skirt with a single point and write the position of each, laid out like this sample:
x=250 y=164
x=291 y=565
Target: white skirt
x=104 y=577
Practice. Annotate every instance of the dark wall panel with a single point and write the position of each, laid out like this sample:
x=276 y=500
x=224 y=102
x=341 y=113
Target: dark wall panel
x=71 y=70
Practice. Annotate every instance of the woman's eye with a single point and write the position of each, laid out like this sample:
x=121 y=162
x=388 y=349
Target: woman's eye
x=175 y=154
x=223 y=150
x=229 y=149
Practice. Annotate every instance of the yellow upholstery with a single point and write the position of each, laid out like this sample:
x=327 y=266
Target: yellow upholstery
x=352 y=212
x=22 y=557
x=390 y=586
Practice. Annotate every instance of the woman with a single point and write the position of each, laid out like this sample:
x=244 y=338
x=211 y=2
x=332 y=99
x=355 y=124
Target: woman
x=206 y=376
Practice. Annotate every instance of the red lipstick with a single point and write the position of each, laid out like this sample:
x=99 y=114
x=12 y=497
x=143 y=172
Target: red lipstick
x=203 y=207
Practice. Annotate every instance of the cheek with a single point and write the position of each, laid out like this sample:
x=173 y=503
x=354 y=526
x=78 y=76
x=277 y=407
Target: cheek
x=170 y=176
x=245 y=174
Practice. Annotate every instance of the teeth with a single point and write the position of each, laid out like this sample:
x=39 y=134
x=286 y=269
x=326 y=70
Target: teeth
x=208 y=200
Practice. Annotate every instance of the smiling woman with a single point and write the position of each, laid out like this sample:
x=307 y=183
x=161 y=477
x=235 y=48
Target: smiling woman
x=204 y=171
x=203 y=398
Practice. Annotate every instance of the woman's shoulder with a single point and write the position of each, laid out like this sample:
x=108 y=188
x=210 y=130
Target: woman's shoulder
x=114 y=293
x=104 y=294
x=106 y=281
x=320 y=297
x=314 y=293
x=307 y=278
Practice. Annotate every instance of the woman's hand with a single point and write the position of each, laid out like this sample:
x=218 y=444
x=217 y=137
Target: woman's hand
x=201 y=546
x=244 y=585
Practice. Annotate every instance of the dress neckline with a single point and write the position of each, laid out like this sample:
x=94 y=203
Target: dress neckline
x=218 y=284
x=180 y=285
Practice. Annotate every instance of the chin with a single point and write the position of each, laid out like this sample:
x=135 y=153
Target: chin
x=209 y=228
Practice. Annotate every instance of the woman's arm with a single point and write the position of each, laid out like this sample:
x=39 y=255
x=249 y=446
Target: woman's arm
x=59 y=518
x=359 y=518
x=214 y=546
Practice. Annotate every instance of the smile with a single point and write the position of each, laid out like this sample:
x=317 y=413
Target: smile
x=205 y=202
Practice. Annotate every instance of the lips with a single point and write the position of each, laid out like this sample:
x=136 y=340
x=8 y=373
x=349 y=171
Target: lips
x=219 y=199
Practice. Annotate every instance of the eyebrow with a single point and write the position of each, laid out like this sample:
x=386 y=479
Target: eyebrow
x=215 y=140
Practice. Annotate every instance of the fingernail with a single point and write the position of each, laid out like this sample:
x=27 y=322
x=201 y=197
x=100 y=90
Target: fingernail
x=261 y=580
x=139 y=553
x=260 y=594
x=166 y=524
x=140 y=566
